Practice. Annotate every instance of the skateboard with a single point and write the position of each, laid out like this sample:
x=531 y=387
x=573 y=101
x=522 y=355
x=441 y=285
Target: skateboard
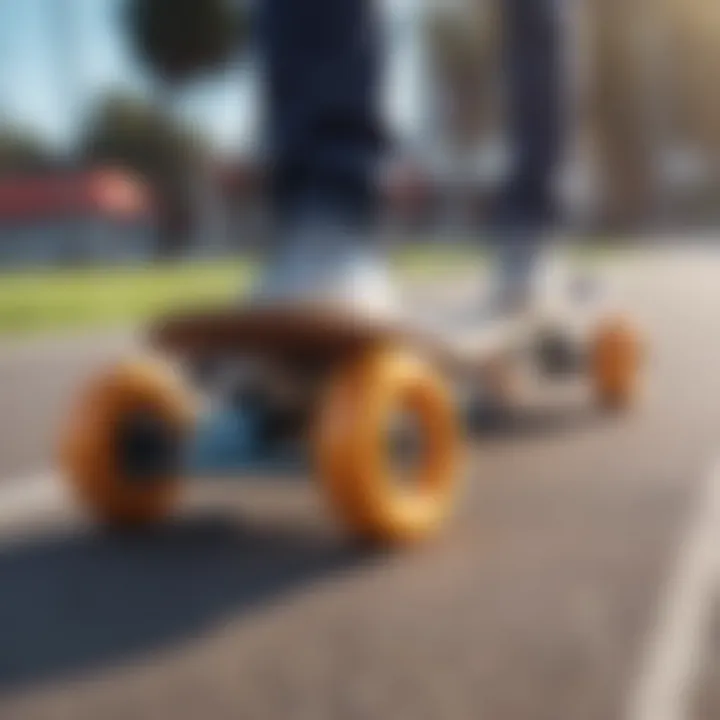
x=371 y=400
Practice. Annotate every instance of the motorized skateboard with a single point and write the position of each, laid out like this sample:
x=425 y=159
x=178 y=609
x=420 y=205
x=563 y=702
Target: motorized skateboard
x=356 y=392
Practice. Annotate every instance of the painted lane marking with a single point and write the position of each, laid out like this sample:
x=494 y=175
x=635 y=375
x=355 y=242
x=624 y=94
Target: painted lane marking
x=673 y=658
x=23 y=495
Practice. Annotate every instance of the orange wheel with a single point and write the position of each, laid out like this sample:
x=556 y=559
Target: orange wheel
x=615 y=367
x=122 y=446
x=373 y=497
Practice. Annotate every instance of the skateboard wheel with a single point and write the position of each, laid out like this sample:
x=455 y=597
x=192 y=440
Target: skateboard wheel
x=122 y=448
x=373 y=498
x=616 y=356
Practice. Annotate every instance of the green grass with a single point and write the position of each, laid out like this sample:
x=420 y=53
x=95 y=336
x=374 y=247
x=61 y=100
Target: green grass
x=437 y=261
x=53 y=300
x=56 y=300
x=35 y=302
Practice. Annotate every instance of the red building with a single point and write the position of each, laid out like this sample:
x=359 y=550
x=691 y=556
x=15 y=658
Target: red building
x=81 y=217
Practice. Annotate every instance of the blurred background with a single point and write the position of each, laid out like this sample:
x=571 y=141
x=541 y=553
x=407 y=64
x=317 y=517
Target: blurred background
x=102 y=163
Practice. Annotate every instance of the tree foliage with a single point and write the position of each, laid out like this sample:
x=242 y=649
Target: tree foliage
x=463 y=42
x=178 y=39
x=21 y=151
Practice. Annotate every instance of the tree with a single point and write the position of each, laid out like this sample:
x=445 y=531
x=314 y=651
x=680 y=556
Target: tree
x=130 y=132
x=625 y=122
x=463 y=41
x=21 y=151
x=464 y=50
x=694 y=35
x=179 y=39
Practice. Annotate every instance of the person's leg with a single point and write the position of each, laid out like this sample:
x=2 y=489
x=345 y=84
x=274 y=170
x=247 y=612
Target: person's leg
x=324 y=141
x=526 y=209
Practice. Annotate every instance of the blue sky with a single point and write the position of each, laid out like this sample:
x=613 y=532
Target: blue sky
x=57 y=56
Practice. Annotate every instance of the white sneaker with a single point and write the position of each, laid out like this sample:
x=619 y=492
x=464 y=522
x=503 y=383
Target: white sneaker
x=538 y=279
x=325 y=266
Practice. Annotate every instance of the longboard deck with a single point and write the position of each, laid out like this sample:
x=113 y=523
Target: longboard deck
x=303 y=334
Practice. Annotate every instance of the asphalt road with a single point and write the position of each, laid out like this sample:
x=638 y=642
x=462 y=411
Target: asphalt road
x=578 y=582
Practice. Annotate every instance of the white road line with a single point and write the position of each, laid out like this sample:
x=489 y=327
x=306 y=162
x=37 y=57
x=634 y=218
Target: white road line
x=673 y=658
x=37 y=492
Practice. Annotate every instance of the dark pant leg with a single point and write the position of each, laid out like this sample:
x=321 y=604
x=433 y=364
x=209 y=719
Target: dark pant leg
x=323 y=113
x=533 y=64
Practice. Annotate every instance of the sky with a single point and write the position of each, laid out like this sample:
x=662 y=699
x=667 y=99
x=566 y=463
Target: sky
x=58 y=56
